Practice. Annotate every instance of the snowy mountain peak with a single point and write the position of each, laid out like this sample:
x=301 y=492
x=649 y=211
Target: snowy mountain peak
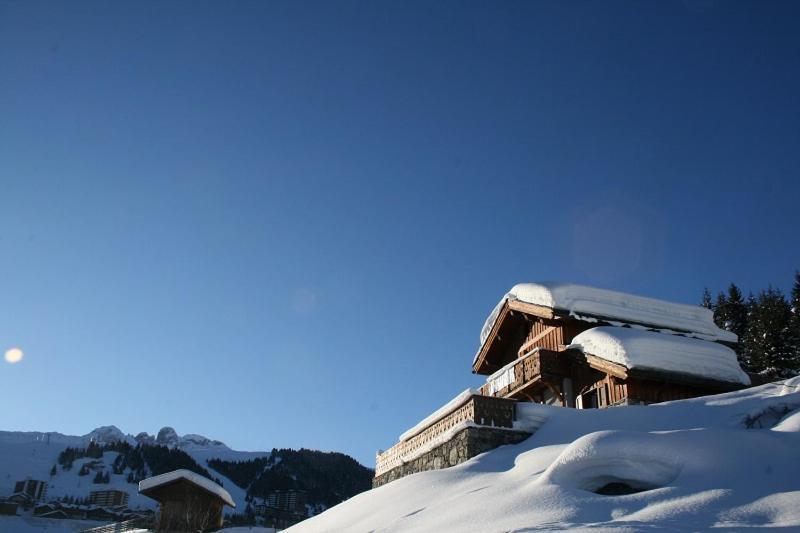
x=191 y=440
x=167 y=436
x=145 y=438
x=106 y=434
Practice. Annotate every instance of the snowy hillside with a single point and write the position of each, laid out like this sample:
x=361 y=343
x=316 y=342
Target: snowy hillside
x=33 y=454
x=731 y=460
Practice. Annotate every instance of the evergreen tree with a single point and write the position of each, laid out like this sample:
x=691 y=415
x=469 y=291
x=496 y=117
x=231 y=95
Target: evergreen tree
x=767 y=343
x=719 y=308
x=706 y=301
x=736 y=312
x=53 y=471
x=794 y=321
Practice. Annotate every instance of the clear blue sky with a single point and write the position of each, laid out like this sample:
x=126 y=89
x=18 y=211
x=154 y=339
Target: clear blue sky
x=283 y=224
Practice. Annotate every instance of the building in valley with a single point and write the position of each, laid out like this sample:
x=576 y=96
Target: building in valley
x=572 y=346
x=108 y=498
x=35 y=489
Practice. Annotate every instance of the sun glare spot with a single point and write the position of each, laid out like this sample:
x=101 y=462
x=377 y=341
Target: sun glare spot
x=14 y=355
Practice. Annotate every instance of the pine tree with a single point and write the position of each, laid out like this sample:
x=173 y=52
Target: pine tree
x=794 y=321
x=706 y=299
x=720 y=309
x=767 y=343
x=53 y=471
x=736 y=312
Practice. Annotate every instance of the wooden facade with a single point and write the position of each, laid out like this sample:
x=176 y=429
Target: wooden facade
x=525 y=353
x=186 y=506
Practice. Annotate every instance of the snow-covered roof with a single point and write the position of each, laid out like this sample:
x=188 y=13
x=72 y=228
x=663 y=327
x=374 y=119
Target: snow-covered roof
x=592 y=303
x=201 y=481
x=650 y=350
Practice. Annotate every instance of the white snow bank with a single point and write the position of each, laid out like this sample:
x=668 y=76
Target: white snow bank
x=590 y=302
x=790 y=423
x=649 y=350
x=706 y=469
x=638 y=459
x=440 y=413
x=197 y=479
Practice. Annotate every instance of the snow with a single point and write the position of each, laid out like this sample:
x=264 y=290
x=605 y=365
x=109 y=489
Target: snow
x=30 y=524
x=503 y=377
x=590 y=303
x=248 y=529
x=440 y=413
x=698 y=464
x=31 y=454
x=197 y=479
x=649 y=350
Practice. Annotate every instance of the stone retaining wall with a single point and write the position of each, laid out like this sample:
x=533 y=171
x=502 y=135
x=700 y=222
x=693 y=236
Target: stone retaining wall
x=465 y=444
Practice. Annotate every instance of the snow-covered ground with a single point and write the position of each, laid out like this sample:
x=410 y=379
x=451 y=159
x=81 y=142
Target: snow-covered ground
x=730 y=461
x=30 y=524
x=32 y=454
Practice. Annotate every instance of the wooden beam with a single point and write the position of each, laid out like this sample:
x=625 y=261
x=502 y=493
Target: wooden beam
x=494 y=333
x=530 y=309
x=608 y=367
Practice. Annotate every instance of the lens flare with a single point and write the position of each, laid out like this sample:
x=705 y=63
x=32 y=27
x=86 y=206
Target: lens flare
x=14 y=355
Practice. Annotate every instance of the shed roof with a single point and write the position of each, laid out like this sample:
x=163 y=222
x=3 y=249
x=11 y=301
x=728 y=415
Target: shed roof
x=147 y=485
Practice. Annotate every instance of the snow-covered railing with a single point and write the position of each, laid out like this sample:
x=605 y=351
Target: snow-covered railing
x=468 y=409
x=136 y=524
x=521 y=372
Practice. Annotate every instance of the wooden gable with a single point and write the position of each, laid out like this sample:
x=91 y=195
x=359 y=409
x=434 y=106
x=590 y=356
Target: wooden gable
x=521 y=327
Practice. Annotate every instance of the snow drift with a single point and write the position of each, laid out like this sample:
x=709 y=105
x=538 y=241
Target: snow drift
x=729 y=460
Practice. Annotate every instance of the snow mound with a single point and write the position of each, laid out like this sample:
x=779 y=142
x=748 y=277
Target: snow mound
x=790 y=423
x=637 y=459
x=649 y=350
x=591 y=303
x=697 y=467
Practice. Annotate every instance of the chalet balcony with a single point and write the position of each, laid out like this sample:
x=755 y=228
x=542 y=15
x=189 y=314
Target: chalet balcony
x=530 y=377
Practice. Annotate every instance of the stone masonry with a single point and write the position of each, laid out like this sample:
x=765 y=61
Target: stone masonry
x=465 y=444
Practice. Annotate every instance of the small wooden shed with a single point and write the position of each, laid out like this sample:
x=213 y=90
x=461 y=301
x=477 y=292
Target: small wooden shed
x=188 y=501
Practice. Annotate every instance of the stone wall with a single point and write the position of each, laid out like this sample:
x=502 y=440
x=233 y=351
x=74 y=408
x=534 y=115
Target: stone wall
x=465 y=444
x=475 y=410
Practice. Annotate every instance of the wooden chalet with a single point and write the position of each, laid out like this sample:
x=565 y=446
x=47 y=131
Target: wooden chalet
x=187 y=501
x=526 y=350
x=572 y=346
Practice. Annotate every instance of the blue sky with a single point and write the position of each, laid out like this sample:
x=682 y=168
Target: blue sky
x=283 y=224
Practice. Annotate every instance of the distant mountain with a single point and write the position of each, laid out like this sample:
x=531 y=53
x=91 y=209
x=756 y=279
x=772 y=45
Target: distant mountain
x=107 y=458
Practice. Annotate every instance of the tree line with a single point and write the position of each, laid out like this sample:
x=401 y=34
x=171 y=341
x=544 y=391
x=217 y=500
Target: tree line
x=327 y=478
x=139 y=461
x=767 y=324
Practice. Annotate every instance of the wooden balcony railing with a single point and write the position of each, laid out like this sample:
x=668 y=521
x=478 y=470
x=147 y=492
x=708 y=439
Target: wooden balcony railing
x=475 y=411
x=538 y=365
